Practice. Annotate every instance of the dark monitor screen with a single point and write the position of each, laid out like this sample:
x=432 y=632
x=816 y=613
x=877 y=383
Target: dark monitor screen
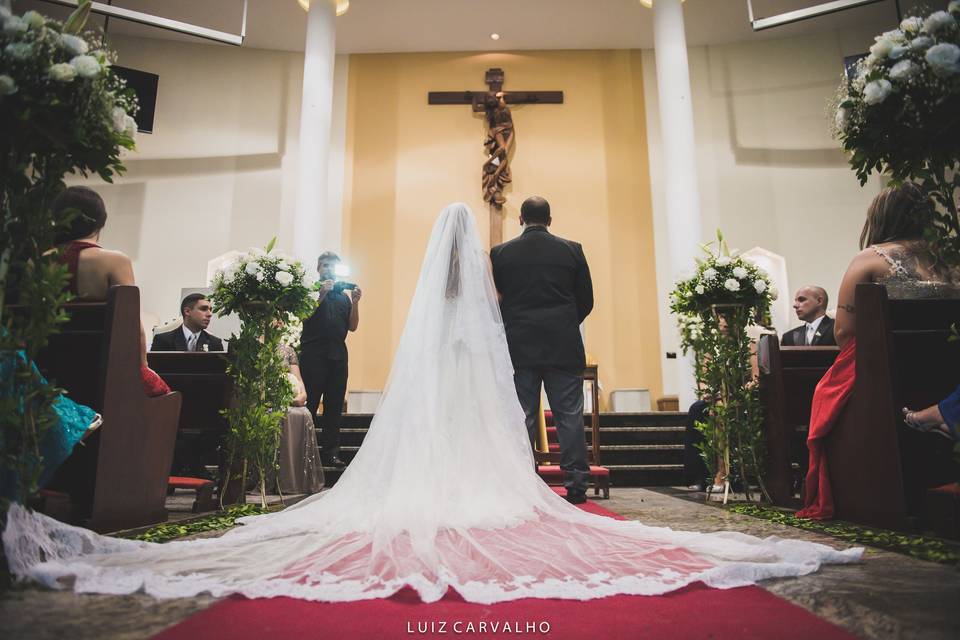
x=145 y=86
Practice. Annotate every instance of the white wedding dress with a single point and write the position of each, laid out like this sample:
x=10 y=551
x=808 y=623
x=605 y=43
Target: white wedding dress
x=442 y=494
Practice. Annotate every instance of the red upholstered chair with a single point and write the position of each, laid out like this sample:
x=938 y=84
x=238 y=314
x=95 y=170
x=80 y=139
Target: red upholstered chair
x=204 y=489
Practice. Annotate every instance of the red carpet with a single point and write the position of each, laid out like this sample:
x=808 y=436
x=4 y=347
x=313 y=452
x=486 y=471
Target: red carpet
x=693 y=612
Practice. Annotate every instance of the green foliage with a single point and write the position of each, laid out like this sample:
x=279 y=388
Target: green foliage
x=62 y=110
x=218 y=521
x=900 y=116
x=714 y=308
x=920 y=547
x=264 y=289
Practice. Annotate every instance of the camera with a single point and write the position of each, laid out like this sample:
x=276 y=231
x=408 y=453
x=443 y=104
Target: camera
x=340 y=286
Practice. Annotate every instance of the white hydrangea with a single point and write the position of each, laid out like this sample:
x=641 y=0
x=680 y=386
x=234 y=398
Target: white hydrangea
x=903 y=70
x=723 y=261
x=699 y=289
x=86 y=66
x=938 y=21
x=14 y=24
x=943 y=58
x=18 y=50
x=129 y=126
x=62 y=72
x=897 y=52
x=896 y=36
x=8 y=86
x=34 y=20
x=732 y=284
x=118 y=118
x=256 y=252
x=881 y=48
x=709 y=274
x=284 y=277
x=921 y=42
x=252 y=268
x=315 y=295
x=911 y=25
x=842 y=118
x=877 y=91
x=760 y=285
x=774 y=293
x=739 y=272
x=73 y=44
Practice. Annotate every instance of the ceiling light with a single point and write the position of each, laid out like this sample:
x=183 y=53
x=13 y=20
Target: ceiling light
x=494 y=36
x=649 y=3
x=342 y=6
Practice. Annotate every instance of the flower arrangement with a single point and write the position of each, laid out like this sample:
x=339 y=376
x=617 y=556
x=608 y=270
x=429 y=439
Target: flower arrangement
x=264 y=289
x=62 y=110
x=714 y=307
x=899 y=116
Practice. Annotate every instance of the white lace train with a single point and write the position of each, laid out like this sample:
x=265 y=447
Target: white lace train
x=441 y=494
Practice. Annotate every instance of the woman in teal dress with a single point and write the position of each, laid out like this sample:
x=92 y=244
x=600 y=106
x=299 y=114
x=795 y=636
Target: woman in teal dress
x=73 y=420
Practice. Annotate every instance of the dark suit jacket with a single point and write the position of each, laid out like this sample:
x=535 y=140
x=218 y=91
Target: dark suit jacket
x=175 y=341
x=822 y=338
x=546 y=293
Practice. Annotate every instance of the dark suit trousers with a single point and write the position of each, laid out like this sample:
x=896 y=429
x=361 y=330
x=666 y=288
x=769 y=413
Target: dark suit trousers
x=565 y=393
x=325 y=379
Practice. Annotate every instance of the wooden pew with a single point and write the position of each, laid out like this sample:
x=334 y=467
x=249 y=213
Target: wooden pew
x=201 y=378
x=788 y=378
x=879 y=467
x=118 y=477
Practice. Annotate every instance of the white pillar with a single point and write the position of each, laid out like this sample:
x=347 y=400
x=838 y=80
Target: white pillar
x=680 y=169
x=311 y=223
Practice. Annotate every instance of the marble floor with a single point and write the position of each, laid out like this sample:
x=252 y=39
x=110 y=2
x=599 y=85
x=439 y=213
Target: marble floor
x=887 y=596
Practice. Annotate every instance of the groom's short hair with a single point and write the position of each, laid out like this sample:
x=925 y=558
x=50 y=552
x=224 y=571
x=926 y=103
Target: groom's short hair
x=191 y=301
x=536 y=210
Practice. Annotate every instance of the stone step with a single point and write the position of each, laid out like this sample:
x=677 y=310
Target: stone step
x=353 y=436
x=651 y=419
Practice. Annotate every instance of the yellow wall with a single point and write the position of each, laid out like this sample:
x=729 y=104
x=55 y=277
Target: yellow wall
x=406 y=159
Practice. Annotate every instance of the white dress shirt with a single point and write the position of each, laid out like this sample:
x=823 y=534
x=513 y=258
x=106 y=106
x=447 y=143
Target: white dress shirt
x=812 y=329
x=191 y=338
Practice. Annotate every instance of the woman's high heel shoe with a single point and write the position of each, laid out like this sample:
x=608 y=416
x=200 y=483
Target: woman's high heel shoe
x=910 y=419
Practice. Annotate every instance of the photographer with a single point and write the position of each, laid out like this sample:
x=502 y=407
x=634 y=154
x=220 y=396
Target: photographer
x=323 y=353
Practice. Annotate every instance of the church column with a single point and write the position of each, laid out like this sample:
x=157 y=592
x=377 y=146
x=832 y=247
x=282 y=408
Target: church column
x=679 y=162
x=315 y=227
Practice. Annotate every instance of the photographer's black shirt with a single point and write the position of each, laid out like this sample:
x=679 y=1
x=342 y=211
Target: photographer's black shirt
x=325 y=332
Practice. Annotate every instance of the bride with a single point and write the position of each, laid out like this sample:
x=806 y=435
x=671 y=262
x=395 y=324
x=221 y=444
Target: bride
x=442 y=494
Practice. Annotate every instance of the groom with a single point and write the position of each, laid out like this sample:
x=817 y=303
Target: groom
x=545 y=293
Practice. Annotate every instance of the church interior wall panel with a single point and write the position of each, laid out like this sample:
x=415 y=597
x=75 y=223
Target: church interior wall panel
x=769 y=174
x=409 y=159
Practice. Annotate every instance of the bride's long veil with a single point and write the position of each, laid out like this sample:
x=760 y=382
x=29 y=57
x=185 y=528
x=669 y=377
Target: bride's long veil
x=442 y=494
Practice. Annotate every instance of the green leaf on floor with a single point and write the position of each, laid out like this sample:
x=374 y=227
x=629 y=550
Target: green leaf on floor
x=916 y=546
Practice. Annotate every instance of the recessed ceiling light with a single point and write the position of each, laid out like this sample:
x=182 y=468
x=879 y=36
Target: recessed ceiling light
x=342 y=6
x=494 y=36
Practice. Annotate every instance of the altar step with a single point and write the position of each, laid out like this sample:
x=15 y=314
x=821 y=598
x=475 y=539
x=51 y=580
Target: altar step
x=640 y=449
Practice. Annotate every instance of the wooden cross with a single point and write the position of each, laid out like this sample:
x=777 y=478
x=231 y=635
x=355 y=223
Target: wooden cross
x=500 y=135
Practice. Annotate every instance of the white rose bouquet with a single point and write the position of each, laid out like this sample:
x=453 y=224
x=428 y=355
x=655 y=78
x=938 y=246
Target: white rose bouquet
x=899 y=116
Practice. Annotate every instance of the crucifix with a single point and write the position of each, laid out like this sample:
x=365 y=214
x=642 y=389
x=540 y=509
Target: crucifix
x=500 y=135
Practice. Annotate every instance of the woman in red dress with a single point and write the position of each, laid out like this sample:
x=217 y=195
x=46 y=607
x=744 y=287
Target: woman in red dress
x=95 y=269
x=893 y=250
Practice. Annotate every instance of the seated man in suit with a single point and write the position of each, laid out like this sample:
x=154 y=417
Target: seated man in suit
x=810 y=304
x=192 y=334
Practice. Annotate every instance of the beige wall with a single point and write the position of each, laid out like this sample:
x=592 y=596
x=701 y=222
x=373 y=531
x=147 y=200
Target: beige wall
x=407 y=159
x=769 y=174
x=219 y=170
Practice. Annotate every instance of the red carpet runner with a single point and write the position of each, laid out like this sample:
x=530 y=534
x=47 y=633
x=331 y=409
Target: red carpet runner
x=692 y=612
